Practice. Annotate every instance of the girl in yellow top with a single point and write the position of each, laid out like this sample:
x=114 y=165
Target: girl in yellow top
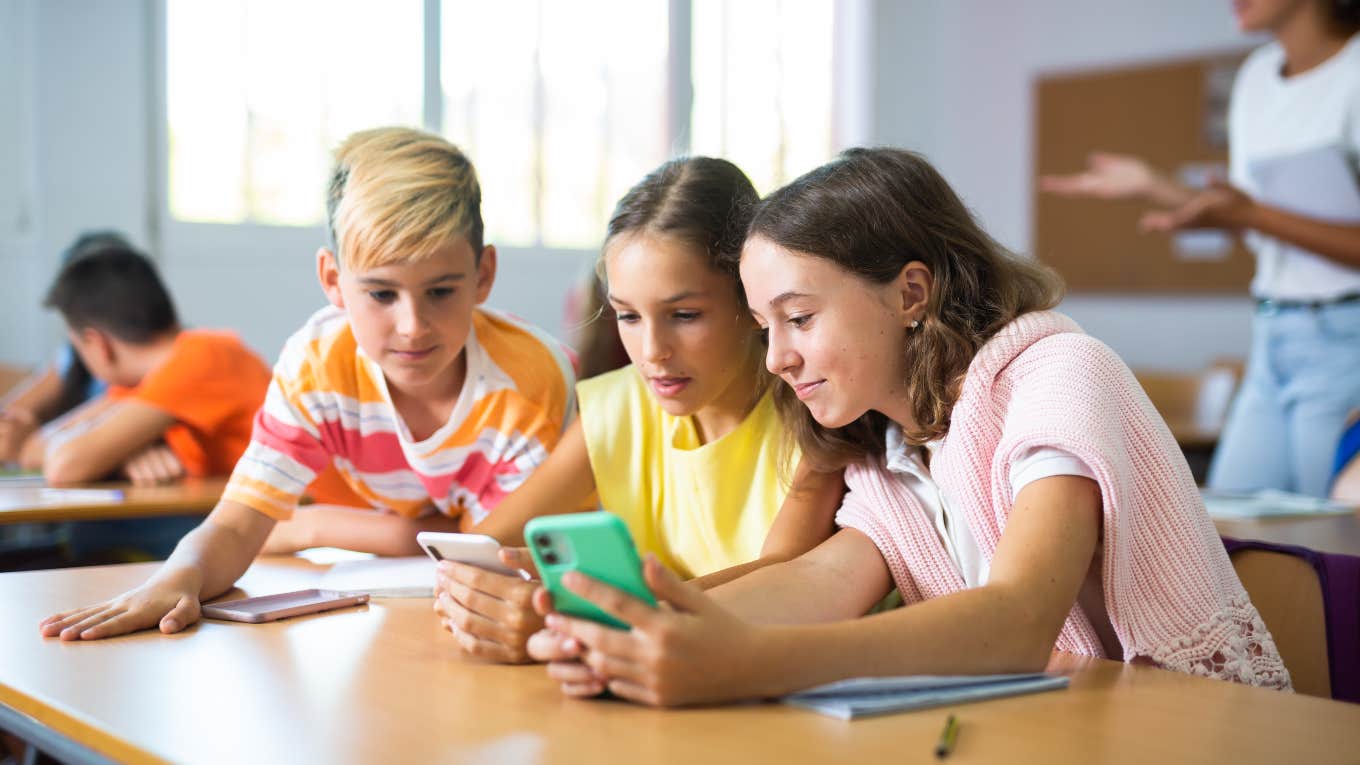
x=684 y=444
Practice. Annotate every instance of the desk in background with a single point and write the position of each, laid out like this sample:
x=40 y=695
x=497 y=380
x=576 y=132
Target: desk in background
x=1324 y=533
x=385 y=683
x=32 y=505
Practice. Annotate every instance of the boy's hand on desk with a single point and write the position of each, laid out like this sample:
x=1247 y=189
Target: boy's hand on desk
x=153 y=465
x=167 y=603
x=491 y=615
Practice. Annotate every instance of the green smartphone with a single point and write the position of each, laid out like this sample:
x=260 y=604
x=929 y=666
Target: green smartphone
x=596 y=544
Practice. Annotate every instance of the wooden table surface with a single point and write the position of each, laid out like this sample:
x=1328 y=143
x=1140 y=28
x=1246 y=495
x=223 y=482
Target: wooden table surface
x=34 y=504
x=383 y=683
x=1325 y=533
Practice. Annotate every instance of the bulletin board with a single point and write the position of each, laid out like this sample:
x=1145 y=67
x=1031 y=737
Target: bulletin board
x=1174 y=115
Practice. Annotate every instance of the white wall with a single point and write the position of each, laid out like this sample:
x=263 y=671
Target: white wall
x=954 y=81
x=76 y=73
x=19 y=265
x=951 y=78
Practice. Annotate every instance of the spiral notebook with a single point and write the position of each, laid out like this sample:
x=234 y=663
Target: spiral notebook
x=870 y=696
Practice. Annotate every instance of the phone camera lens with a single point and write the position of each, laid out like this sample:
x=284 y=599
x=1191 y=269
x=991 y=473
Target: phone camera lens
x=542 y=540
x=550 y=558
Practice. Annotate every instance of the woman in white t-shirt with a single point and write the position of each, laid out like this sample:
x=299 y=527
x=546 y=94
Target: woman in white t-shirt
x=1294 y=191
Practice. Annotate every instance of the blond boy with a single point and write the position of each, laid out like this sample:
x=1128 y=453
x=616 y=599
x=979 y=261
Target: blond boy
x=430 y=407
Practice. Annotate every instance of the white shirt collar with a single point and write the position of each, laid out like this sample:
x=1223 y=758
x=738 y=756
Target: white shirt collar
x=902 y=457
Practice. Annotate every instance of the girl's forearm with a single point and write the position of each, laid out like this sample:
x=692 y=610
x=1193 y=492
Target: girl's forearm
x=797 y=592
x=732 y=573
x=564 y=483
x=977 y=631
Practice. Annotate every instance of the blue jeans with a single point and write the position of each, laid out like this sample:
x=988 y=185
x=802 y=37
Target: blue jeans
x=1302 y=379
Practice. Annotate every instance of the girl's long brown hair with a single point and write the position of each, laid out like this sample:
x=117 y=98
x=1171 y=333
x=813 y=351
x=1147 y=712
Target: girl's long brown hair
x=871 y=212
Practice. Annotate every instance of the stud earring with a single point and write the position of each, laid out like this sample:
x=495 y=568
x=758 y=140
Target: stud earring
x=915 y=323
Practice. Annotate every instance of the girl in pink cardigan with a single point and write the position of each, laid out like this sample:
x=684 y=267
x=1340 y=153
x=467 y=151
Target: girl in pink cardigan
x=1006 y=474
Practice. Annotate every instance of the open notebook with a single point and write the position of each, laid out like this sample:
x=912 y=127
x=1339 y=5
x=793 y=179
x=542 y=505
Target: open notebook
x=382 y=577
x=869 y=696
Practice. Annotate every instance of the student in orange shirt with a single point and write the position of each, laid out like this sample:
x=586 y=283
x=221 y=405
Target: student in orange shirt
x=57 y=387
x=180 y=402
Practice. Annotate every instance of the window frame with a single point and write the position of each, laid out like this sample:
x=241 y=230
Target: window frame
x=190 y=240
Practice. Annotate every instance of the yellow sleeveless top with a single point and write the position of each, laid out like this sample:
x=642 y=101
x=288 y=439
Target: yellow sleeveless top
x=699 y=507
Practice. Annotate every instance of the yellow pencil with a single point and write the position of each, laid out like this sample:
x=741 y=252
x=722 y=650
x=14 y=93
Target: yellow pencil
x=948 y=736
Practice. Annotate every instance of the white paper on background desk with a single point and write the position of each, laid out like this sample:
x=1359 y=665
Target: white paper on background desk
x=869 y=696
x=382 y=577
x=18 y=479
x=1269 y=503
x=80 y=496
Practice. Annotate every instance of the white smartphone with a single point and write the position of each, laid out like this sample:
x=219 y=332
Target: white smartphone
x=473 y=549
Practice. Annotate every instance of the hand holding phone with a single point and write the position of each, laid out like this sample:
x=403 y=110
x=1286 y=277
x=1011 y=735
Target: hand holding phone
x=595 y=544
x=488 y=611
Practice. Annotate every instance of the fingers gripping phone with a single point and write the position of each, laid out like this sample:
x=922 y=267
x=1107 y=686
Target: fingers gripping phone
x=474 y=549
x=596 y=544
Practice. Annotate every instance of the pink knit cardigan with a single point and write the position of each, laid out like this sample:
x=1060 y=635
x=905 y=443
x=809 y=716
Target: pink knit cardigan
x=1170 y=590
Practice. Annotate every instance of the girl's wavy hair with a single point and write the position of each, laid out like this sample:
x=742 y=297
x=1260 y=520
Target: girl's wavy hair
x=871 y=212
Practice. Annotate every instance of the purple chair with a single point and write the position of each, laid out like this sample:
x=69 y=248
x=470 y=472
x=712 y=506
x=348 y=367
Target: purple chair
x=1289 y=606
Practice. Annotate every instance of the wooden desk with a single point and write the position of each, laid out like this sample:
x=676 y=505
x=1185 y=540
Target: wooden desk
x=197 y=495
x=384 y=683
x=1325 y=533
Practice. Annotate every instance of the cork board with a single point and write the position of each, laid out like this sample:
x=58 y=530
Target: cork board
x=1174 y=115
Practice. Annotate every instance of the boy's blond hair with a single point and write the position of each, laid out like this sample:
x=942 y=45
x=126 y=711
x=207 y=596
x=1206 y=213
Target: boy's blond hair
x=398 y=195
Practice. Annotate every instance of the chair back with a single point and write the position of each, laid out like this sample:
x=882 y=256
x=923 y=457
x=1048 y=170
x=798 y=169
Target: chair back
x=1285 y=590
x=1193 y=404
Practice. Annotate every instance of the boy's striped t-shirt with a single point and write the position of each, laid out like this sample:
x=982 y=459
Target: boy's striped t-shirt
x=328 y=403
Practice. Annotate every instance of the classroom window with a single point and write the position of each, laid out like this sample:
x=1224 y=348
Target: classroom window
x=762 y=72
x=260 y=91
x=562 y=106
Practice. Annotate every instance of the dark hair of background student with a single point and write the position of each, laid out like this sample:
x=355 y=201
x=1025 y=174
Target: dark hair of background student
x=76 y=379
x=115 y=290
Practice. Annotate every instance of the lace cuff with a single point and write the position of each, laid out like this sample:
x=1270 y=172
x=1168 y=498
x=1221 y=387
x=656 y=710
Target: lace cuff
x=1233 y=645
